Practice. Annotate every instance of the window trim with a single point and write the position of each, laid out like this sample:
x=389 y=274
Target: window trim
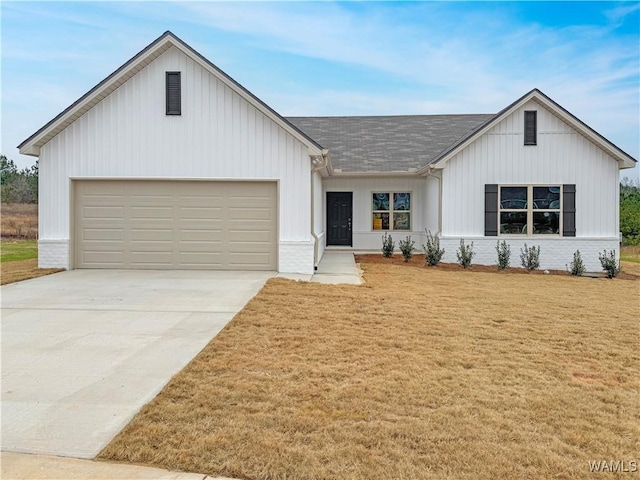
x=527 y=113
x=178 y=111
x=530 y=210
x=391 y=211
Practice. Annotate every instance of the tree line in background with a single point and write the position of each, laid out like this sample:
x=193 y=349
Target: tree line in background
x=630 y=211
x=21 y=186
x=18 y=186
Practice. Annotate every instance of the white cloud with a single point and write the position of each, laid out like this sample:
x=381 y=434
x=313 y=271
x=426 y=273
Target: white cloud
x=445 y=58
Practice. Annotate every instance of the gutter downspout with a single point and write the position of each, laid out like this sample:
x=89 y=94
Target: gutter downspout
x=318 y=162
x=429 y=173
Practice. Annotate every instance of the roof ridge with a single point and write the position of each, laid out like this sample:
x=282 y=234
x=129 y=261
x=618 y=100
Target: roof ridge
x=392 y=115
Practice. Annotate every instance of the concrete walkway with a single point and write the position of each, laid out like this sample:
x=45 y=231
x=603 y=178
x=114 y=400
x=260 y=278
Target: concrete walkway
x=20 y=466
x=336 y=266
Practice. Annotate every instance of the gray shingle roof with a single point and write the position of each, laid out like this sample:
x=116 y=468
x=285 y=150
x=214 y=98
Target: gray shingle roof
x=387 y=143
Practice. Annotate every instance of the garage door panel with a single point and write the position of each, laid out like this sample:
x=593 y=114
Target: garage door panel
x=256 y=236
x=200 y=201
x=248 y=213
x=203 y=235
x=205 y=247
x=101 y=257
x=175 y=224
x=254 y=260
x=149 y=234
x=151 y=246
x=206 y=257
x=101 y=234
x=200 y=213
x=103 y=212
x=152 y=212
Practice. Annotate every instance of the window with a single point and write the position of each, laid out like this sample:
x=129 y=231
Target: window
x=530 y=127
x=530 y=210
x=174 y=104
x=391 y=211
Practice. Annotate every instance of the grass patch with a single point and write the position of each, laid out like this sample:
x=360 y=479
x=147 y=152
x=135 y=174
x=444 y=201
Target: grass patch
x=19 y=220
x=630 y=254
x=11 y=272
x=419 y=373
x=15 y=250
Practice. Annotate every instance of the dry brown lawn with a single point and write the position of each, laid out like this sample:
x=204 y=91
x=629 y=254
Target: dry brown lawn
x=11 y=272
x=419 y=373
x=19 y=220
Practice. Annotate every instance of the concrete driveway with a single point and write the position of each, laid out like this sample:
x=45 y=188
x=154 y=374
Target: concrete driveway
x=83 y=351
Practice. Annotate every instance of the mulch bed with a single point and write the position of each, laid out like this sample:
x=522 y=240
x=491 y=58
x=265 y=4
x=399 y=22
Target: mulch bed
x=419 y=261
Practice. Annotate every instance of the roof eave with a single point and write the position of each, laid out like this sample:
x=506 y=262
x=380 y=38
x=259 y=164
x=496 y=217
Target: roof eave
x=396 y=173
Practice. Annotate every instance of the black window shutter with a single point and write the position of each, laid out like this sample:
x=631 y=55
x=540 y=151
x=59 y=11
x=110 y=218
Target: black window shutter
x=530 y=127
x=569 y=210
x=174 y=90
x=491 y=210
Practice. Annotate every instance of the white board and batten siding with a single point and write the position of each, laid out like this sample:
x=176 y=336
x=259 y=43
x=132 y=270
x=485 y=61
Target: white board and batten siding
x=561 y=156
x=423 y=214
x=219 y=136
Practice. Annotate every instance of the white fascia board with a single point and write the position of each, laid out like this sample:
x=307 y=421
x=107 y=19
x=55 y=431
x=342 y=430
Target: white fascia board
x=32 y=145
x=376 y=174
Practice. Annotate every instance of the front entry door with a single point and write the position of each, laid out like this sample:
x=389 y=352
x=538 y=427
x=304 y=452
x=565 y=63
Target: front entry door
x=339 y=215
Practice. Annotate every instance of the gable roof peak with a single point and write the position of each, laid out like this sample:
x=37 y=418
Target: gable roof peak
x=32 y=145
x=624 y=159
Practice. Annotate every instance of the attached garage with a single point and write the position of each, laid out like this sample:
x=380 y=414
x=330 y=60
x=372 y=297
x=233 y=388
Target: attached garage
x=149 y=224
x=169 y=163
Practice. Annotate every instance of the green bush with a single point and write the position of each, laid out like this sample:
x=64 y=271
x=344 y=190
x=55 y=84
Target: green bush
x=432 y=251
x=576 y=267
x=609 y=263
x=406 y=247
x=630 y=212
x=530 y=257
x=504 y=255
x=465 y=254
x=388 y=245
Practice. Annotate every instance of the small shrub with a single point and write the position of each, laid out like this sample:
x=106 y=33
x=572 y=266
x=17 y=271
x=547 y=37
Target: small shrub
x=465 y=253
x=388 y=245
x=433 y=253
x=406 y=247
x=576 y=267
x=609 y=263
x=530 y=257
x=504 y=255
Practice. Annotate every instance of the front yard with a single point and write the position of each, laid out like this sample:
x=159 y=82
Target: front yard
x=418 y=373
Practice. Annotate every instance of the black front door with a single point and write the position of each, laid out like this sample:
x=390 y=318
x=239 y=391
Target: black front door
x=339 y=214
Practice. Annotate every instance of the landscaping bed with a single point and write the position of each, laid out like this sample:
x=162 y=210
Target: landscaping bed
x=629 y=270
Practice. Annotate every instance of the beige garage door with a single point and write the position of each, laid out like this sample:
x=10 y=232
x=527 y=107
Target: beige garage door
x=175 y=225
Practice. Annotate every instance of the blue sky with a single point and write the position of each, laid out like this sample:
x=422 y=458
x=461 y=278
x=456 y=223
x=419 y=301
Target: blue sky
x=332 y=58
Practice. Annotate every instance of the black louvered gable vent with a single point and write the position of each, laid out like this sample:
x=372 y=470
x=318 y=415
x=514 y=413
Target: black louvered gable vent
x=530 y=127
x=174 y=90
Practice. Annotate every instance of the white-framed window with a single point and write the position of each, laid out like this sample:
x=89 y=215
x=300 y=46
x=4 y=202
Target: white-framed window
x=391 y=211
x=530 y=210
